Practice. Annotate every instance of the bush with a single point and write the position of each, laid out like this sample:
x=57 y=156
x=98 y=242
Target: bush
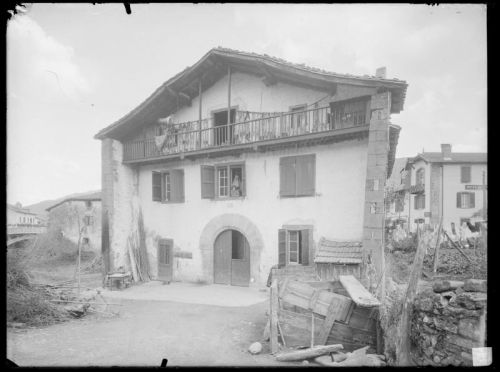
x=407 y=244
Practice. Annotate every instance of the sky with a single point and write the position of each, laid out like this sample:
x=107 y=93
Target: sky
x=73 y=69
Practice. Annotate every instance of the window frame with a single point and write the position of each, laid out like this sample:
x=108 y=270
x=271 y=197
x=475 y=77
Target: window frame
x=417 y=206
x=297 y=194
x=163 y=186
x=469 y=179
x=471 y=196
x=228 y=167
x=300 y=248
x=420 y=176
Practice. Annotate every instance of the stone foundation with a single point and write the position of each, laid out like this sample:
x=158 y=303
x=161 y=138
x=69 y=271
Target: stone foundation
x=448 y=321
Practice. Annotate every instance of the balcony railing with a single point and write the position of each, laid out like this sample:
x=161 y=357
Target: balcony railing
x=417 y=189
x=26 y=229
x=208 y=136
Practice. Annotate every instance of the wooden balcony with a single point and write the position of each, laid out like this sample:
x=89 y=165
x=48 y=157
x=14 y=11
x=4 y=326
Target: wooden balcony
x=417 y=189
x=307 y=125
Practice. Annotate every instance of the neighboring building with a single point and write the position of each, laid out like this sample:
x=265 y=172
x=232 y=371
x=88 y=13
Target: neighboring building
x=17 y=215
x=74 y=213
x=397 y=207
x=445 y=184
x=305 y=156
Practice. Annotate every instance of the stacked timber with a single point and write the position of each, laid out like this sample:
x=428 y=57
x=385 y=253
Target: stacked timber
x=326 y=313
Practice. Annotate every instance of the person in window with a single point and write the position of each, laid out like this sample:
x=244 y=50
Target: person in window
x=235 y=186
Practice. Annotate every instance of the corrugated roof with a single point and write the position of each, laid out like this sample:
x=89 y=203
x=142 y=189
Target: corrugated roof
x=455 y=157
x=341 y=252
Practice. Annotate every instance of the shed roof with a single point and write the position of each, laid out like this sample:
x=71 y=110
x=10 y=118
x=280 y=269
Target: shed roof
x=211 y=67
x=339 y=252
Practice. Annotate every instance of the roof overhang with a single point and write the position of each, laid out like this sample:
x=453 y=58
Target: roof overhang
x=184 y=86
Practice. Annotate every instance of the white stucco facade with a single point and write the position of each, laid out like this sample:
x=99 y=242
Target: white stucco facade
x=335 y=212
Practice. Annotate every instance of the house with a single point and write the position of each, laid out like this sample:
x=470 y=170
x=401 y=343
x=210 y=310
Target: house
x=245 y=161
x=448 y=185
x=82 y=212
x=397 y=187
x=17 y=215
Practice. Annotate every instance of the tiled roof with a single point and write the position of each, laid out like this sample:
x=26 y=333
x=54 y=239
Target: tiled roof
x=456 y=157
x=341 y=252
x=304 y=66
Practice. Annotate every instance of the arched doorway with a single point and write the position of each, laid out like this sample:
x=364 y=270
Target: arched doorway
x=231 y=259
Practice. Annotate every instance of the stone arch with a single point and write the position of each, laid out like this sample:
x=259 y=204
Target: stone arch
x=234 y=222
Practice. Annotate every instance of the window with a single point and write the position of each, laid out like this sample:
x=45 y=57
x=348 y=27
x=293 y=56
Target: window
x=223 y=181
x=88 y=220
x=293 y=246
x=297 y=175
x=420 y=201
x=349 y=113
x=400 y=205
x=420 y=177
x=168 y=186
x=85 y=241
x=465 y=174
x=465 y=200
x=88 y=204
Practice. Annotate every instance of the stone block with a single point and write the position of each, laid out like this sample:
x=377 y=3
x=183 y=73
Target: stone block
x=446 y=285
x=445 y=325
x=464 y=343
x=475 y=285
x=471 y=300
x=470 y=328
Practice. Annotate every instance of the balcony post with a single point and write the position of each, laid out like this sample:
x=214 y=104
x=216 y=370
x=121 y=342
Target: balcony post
x=199 y=113
x=228 y=101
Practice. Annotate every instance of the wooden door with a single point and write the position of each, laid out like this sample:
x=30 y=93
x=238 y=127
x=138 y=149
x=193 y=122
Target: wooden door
x=222 y=258
x=165 y=260
x=240 y=260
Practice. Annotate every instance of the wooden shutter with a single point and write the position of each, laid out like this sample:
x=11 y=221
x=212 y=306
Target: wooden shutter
x=305 y=171
x=304 y=243
x=177 y=185
x=472 y=203
x=281 y=248
x=465 y=173
x=243 y=181
x=459 y=200
x=287 y=176
x=156 y=192
x=207 y=182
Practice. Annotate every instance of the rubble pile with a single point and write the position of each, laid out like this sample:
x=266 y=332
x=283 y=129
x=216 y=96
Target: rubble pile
x=448 y=321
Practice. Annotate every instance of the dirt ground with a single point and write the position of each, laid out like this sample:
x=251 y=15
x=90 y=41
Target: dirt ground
x=144 y=333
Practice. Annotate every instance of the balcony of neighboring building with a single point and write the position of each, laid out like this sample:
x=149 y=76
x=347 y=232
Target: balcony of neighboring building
x=252 y=131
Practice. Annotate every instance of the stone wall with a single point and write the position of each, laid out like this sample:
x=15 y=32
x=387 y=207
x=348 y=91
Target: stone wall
x=448 y=321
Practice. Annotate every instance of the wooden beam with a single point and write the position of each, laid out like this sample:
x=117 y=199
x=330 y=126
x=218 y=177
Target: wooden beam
x=199 y=112
x=273 y=314
x=327 y=326
x=308 y=353
x=228 y=101
x=357 y=292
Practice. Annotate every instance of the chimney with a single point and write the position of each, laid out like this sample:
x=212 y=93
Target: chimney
x=381 y=72
x=446 y=150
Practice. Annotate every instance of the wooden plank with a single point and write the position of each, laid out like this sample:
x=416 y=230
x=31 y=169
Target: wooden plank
x=403 y=344
x=330 y=318
x=273 y=331
x=350 y=334
x=308 y=353
x=357 y=292
x=436 y=251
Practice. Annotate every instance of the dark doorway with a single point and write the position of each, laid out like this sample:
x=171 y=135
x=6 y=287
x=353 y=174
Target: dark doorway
x=223 y=133
x=231 y=259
